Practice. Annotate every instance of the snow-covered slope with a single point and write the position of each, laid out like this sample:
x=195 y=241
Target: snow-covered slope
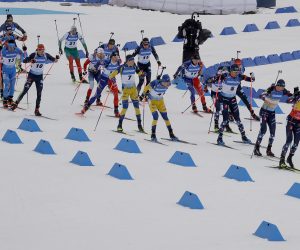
x=49 y=203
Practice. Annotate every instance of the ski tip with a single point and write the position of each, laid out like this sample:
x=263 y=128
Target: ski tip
x=79 y=114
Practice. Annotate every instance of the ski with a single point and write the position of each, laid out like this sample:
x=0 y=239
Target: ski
x=251 y=119
x=157 y=142
x=88 y=109
x=126 y=118
x=79 y=114
x=101 y=106
x=287 y=169
x=217 y=132
x=197 y=114
x=246 y=143
x=208 y=113
x=9 y=109
x=122 y=132
x=46 y=117
x=141 y=132
x=180 y=141
x=224 y=146
x=232 y=132
x=265 y=157
x=252 y=144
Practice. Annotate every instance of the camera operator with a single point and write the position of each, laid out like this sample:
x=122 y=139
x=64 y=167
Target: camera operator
x=193 y=34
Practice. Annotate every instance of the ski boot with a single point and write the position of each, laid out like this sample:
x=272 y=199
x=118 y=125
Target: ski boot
x=86 y=101
x=194 y=108
x=85 y=108
x=10 y=100
x=153 y=137
x=73 y=76
x=228 y=129
x=119 y=128
x=245 y=139
x=220 y=141
x=14 y=105
x=116 y=111
x=140 y=128
x=98 y=102
x=37 y=112
x=216 y=128
x=206 y=109
x=269 y=151
x=254 y=116
x=289 y=160
x=172 y=136
x=82 y=79
x=5 y=104
x=282 y=163
x=256 y=150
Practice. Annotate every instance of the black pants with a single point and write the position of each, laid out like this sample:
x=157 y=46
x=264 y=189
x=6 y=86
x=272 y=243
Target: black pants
x=146 y=68
x=188 y=53
x=230 y=103
x=292 y=132
x=267 y=119
x=38 y=79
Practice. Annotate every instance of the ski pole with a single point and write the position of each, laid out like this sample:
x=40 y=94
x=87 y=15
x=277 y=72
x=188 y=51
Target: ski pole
x=190 y=105
x=48 y=71
x=1 y=80
x=215 y=103
x=74 y=19
x=80 y=24
x=157 y=71
x=237 y=54
x=212 y=115
x=142 y=34
x=144 y=104
x=103 y=107
x=278 y=73
x=38 y=39
x=57 y=35
x=77 y=88
x=250 y=102
x=111 y=35
x=185 y=93
x=17 y=76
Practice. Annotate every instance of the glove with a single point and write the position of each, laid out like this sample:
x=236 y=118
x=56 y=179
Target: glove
x=87 y=54
x=57 y=57
x=296 y=91
x=60 y=51
x=0 y=46
x=174 y=76
x=158 y=77
x=32 y=60
x=24 y=37
x=24 y=48
x=158 y=63
x=84 y=73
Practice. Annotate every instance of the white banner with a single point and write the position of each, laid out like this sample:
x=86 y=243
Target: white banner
x=190 y=6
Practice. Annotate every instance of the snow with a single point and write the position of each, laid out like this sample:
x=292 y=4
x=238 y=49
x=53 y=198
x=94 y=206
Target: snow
x=49 y=203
